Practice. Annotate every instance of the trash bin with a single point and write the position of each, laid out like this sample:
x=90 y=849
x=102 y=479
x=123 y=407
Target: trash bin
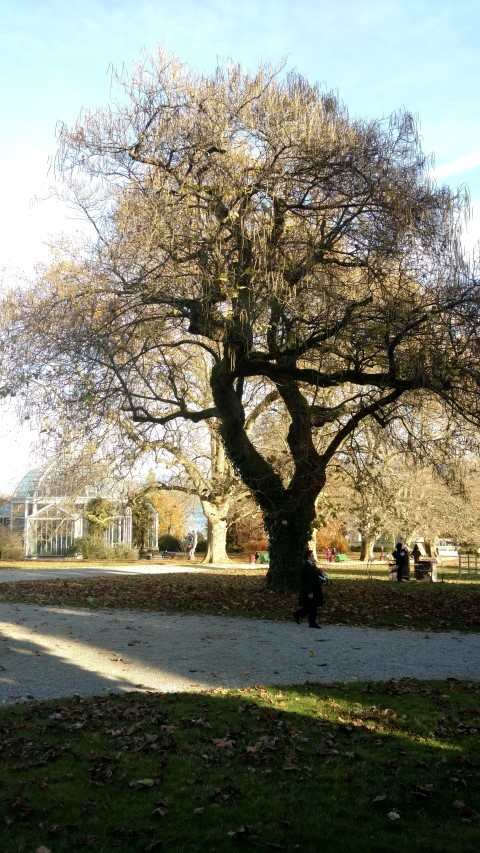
x=426 y=570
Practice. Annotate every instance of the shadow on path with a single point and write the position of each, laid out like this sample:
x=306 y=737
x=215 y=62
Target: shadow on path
x=52 y=652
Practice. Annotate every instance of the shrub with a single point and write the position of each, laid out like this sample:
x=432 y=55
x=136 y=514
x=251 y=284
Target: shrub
x=124 y=552
x=89 y=547
x=12 y=552
x=11 y=545
x=167 y=542
x=92 y=548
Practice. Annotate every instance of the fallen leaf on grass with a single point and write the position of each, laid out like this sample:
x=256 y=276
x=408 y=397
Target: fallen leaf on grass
x=422 y=791
x=464 y=810
x=223 y=743
x=432 y=607
x=244 y=833
x=326 y=753
x=142 y=783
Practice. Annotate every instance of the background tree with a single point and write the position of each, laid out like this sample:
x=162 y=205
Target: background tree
x=200 y=469
x=246 y=532
x=332 y=535
x=249 y=218
x=174 y=512
x=99 y=513
x=140 y=501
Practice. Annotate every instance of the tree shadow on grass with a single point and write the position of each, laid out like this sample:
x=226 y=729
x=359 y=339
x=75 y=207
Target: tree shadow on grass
x=344 y=767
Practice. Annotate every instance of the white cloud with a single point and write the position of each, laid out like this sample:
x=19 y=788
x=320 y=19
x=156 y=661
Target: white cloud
x=461 y=164
x=471 y=238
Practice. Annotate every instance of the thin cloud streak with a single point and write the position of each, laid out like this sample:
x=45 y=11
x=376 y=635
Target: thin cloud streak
x=461 y=164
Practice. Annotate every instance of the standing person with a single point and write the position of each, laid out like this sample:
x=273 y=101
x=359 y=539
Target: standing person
x=416 y=554
x=311 y=596
x=401 y=556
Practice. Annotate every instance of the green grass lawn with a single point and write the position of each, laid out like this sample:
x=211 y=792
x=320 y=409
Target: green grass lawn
x=339 y=767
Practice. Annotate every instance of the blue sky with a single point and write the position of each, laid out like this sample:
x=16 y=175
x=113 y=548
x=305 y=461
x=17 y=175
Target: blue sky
x=379 y=55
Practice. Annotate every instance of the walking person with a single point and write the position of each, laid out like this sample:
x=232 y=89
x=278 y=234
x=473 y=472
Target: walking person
x=311 y=596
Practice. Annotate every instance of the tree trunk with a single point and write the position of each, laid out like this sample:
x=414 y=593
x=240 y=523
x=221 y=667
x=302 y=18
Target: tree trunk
x=289 y=512
x=216 y=532
x=312 y=542
x=289 y=534
x=366 y=547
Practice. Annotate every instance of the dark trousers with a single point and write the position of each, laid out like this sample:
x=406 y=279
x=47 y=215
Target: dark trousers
x=309 y=610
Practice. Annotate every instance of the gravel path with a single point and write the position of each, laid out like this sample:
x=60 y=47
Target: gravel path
x=52 y=652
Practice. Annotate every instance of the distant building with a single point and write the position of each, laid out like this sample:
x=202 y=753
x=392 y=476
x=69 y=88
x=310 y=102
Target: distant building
x=446 y=548
x=48 y=509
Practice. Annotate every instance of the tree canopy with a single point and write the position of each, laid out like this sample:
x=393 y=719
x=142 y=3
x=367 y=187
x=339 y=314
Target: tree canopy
x=246 y=221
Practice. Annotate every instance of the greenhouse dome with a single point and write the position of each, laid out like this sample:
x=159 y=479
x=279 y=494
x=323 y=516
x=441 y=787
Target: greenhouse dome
x=49 y=509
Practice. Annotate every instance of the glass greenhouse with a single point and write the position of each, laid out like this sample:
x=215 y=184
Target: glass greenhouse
x=49 y=509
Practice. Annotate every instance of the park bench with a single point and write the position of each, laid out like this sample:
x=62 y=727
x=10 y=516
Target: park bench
x=426 y=570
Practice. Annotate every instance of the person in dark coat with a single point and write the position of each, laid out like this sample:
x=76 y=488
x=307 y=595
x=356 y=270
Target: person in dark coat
x=401 y=555
x=311 y=596
x=416 y=554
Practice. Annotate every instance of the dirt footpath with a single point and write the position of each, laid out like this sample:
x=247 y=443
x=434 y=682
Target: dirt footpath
x=52 y=652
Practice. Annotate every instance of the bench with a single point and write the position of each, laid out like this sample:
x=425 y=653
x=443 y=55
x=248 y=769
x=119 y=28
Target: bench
x=263 y=557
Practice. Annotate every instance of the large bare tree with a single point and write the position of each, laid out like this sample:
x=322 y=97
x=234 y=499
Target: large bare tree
x=247 y=217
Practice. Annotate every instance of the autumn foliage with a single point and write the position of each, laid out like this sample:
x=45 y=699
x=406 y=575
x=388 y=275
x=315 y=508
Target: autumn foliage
x=425 y=606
